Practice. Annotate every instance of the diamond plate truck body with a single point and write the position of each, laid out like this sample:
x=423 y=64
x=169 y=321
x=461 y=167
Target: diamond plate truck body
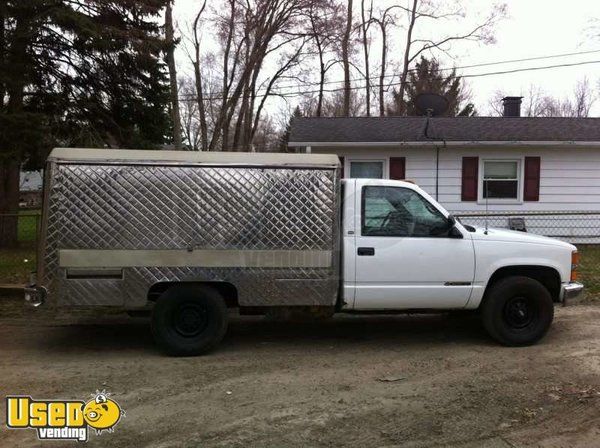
x=118 y=222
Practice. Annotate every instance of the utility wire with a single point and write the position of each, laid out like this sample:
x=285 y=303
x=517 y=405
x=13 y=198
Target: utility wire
x=474 y=75
x=484 y=64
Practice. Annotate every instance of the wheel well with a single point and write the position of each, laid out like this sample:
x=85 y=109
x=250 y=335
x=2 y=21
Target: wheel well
x=227 y=290
x=549 y=277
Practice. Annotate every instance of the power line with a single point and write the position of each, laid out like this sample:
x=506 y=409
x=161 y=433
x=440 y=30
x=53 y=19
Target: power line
x=484 y=64
x=443 y=69
x=475 y=75
x=527 y=69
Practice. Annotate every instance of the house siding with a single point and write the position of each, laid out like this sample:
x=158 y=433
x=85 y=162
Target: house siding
x=569 y=178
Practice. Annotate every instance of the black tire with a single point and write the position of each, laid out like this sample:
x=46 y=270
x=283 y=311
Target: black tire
x=189 y=320
x=517 y=311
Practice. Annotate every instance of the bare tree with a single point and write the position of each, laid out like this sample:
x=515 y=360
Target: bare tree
x=199 y=82
x=254 y=31
x=583 y=100
x=170 y=56
x=190 y=125
x=253 y=45
x=326 y=30
x=385 y=19
x=333 y=105
x=346 y=59
x=538 y=103
x=422 y=11
x=266 y=137
x=228 y=32
x=365 y=23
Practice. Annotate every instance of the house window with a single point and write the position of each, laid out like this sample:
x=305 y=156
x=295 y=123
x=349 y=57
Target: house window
x=366 y=169
x=501 y=179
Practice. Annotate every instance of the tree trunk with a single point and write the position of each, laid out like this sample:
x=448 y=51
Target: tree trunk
x=249 y=121
x=383 y=62
x=201 y=108
x=320 y=51
x=321 y=74
x=237 y=134
x=364 y=27
x=346 y=61
x=226 y=123
x=170 y=41
x=321 y=85
x=401 y=107
x=9 y=202
x=248 y=133
x=199 y=87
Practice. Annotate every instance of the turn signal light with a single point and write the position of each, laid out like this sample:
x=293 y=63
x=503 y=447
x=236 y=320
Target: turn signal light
x=574 y=265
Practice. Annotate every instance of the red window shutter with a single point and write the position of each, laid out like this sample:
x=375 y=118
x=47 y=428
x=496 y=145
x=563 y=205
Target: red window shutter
x=470 y=169
x=342 y=162
x=398 y=168
x=532 y=179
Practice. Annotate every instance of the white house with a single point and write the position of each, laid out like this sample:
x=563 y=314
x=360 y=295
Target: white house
x=471 y=164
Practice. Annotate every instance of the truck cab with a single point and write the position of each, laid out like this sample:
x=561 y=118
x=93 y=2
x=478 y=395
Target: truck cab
x=401 y=250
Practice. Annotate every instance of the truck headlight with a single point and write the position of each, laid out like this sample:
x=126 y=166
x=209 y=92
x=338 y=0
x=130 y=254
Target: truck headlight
x=574 y=265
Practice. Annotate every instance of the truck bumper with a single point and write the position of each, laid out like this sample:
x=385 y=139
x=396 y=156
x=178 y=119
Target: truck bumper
x=35 y=295
x=570 y=291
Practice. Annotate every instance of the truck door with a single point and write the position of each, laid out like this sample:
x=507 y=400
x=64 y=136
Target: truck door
x=402 y=259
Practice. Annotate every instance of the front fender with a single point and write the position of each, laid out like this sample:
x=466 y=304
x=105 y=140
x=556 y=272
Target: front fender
x=491 y=256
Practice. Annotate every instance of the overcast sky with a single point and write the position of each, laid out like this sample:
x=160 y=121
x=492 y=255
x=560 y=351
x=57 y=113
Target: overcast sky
x=533 y=28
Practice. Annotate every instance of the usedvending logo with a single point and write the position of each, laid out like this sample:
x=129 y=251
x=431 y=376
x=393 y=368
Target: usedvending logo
x=64 y=419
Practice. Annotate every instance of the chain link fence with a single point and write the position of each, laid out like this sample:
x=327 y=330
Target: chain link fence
x=579 y=228
x=573 y=227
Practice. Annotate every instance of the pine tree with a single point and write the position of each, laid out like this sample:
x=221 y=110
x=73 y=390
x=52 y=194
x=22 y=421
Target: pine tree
x=285 y=137
x=427 y=77
x=76 y=72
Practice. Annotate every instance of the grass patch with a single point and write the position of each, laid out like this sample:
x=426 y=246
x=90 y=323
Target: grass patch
x=589 y=269
x=16 y=263
x=28 y=226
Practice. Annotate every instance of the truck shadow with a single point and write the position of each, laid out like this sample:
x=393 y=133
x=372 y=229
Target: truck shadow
x=350 y=331
x=246 y=334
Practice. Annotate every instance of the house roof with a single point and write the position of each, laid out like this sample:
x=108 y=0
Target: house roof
x=451 y=129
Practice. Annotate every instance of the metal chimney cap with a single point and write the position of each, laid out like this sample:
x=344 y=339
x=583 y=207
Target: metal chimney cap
x=512 y=106
x=512 y=98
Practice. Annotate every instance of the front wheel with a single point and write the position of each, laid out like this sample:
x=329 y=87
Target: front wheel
x=189 y=320
x=517 y=311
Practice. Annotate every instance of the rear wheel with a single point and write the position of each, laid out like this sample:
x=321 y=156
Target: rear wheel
x=517 y=311
x=189 y=320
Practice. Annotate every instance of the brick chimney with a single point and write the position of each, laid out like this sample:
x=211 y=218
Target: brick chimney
x=512 y=106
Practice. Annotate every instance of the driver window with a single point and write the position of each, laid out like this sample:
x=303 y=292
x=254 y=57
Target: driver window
x=397 y=211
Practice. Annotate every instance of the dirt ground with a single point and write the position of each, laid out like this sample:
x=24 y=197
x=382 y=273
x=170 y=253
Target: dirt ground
x=409 y=381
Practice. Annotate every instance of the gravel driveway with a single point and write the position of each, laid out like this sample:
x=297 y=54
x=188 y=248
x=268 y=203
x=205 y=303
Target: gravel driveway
x=411 y=381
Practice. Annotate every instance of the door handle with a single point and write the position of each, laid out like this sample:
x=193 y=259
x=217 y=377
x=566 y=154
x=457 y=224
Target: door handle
x=367 y=251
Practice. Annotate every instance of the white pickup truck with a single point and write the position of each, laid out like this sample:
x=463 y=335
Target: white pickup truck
x=402 y=250
x=187 y=235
